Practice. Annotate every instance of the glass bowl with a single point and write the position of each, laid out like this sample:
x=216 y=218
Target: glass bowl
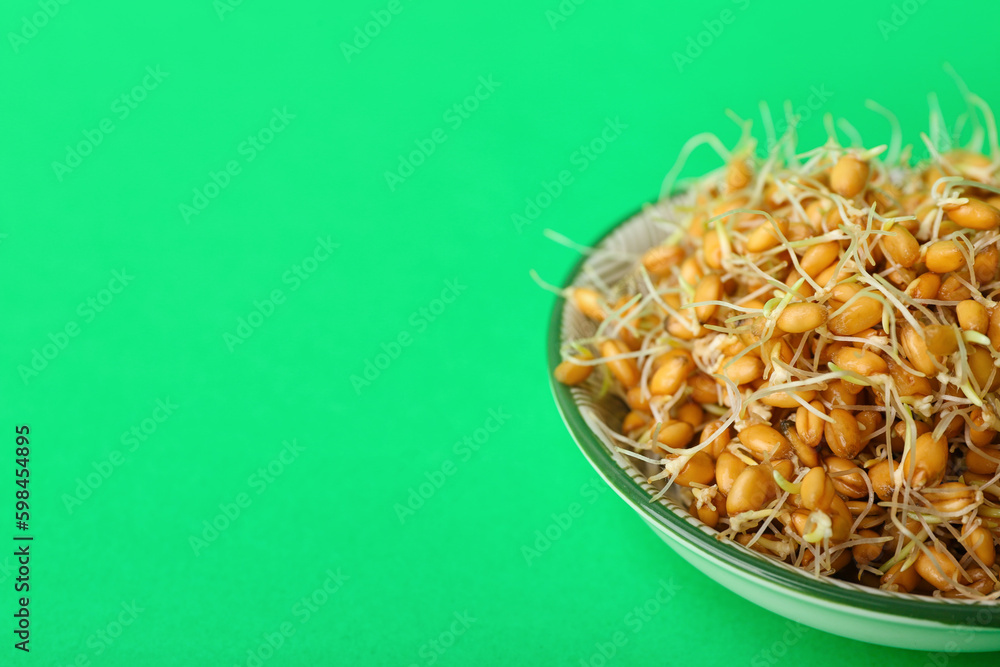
x=831 y=605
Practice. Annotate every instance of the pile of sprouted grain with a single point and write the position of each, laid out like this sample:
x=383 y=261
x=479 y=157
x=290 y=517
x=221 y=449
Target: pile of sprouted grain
x=812 y=354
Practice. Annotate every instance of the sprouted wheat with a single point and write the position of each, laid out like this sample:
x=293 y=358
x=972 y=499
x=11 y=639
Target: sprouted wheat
x=812 y=357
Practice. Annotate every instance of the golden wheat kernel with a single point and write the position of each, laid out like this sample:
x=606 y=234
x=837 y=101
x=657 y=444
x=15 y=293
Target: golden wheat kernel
x=944 y=257
x=985 y=264
x=863 y=313
x=706 y=514
x=669 y=376
x=625 y=370
x=817 y=490
x=637 y=399
x=862 y=362
x=802 y=317
x=691 y=271
x=951 y=496
x=976 y=214
x=847 y=477
x=925 y=464
x=570 y=373
x=898 y=579
x=788 y=399
x=588 y=302
x=869 y=421
x=937 y=567
x=908 y=384
x=993 y=331
x=866 y=553
x=972 y=316
x=901 y=247
x=661 y=259
x=984 y=463
x=901 y=278
x=977 y=579
x=954 y=289
x=819 y=257
x=700 y=469
x=808 y=425
x=981 y=364
x=799 y=231
x=704 y=389
x=753 y=489
x=730 y=204
x=803 y=291
x=842 y=435
x=711 y=248
x=744 y=370
x=675 y=434
x=709 y=289
x=980 y=542
x=692 y=413
x=940 y=339
x=636 y=419
x=924 y=286
x=807 y=455
x=849 y=176
x=739 y=175
x=915 y=348
x=765 y=442
x=718 y=438
x=767 y=235
x=728 y=467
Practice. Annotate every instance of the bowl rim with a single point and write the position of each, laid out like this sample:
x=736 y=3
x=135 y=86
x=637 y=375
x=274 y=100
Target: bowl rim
x=949 y=612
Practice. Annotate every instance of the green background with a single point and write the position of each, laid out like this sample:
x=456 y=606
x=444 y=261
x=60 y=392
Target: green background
x=334 y=507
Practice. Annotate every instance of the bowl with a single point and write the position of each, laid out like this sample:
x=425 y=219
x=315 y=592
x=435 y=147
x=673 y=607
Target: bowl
x=830 y=605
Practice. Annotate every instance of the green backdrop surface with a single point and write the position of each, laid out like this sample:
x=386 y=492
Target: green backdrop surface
x=269 y=317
